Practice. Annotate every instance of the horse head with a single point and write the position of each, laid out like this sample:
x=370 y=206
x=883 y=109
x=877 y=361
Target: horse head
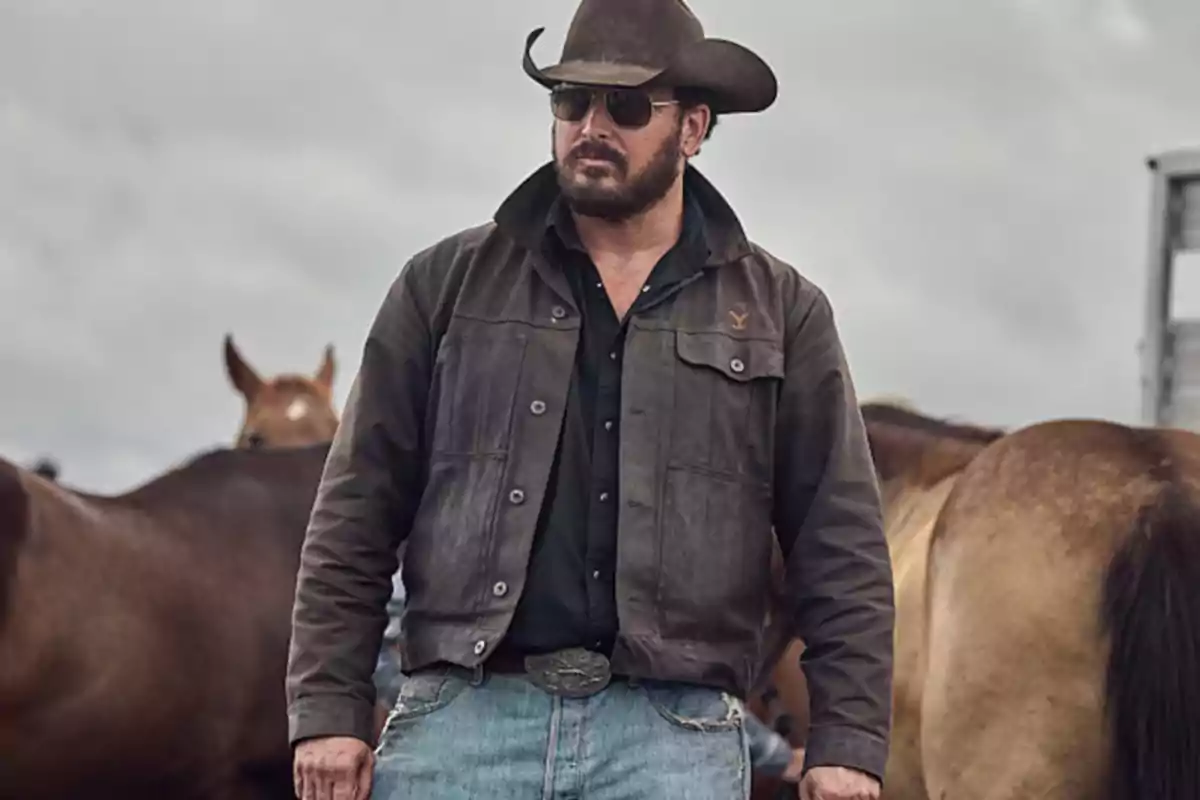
x=288 y=410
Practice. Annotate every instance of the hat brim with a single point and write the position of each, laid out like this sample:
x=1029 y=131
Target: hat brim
x=737 y=79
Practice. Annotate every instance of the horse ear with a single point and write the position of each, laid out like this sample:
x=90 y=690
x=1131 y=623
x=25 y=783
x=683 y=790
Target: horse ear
x=328 y=366
x=241 y=375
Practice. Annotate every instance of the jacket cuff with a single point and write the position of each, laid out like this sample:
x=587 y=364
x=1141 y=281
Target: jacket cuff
x=840 y=746
x=330 y=715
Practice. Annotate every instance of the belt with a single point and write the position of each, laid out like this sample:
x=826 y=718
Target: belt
x=573 y=672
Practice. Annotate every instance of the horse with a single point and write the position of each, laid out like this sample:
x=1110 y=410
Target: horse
x=1047 y=608
x=287 y=410
x=144 y=636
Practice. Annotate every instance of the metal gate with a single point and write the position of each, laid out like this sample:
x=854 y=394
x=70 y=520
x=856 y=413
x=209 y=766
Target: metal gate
x=1170 y=348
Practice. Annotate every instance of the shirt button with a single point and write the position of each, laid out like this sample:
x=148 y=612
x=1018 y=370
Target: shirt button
x=613 y=355
x=480 y=646
x=537 y=408
x=516 y=497
x=604 y=497
x=558 y=312
x=608 y=424
x=645 y=288
x=500 y=588
x=736 y=365
x=596 y=574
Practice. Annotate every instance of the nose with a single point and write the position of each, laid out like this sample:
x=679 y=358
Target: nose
x=595 y=120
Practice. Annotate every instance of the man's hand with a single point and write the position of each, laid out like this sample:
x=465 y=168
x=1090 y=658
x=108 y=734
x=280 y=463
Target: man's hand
x=838 y=783
x=333 y=768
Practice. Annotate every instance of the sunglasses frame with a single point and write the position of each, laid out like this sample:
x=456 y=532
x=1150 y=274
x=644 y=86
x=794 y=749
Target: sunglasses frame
x=602 y=94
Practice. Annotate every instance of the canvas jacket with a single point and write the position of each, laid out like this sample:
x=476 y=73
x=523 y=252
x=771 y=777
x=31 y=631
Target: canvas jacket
x=739 y=423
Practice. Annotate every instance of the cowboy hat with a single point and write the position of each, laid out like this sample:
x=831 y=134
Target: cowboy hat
x=636 y=43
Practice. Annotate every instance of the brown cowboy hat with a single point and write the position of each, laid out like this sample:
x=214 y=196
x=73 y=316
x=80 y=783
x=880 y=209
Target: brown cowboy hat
x=635 y=43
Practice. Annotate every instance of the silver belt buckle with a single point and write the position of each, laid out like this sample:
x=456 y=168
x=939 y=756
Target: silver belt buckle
x=574 y=672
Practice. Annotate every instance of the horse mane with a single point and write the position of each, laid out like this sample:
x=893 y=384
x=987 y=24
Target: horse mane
x=925 y=448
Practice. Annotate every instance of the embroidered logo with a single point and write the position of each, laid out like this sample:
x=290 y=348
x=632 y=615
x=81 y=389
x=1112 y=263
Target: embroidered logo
x=739 y=315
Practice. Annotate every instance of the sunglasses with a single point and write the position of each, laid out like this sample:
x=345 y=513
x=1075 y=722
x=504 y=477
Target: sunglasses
x=628 y=108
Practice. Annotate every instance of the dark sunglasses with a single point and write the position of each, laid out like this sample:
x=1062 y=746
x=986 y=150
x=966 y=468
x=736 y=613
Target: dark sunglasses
x=628 y=108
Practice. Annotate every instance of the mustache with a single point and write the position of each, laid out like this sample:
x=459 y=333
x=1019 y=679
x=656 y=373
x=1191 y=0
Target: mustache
x=596 y=150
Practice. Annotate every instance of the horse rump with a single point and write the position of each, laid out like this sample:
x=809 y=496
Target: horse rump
x=1151 y=610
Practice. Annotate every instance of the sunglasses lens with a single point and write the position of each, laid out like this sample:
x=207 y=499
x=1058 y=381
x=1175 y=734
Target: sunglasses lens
x=570 y=104
x=629 y=108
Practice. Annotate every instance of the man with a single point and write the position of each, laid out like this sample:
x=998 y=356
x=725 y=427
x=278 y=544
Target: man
x=587 y=420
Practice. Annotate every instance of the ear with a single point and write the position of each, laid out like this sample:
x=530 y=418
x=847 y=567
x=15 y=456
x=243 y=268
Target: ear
x=325 y=373
x=695 y=124
x=241 y=375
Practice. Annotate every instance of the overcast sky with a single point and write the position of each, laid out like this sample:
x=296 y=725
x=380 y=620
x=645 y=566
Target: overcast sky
x=966 y=180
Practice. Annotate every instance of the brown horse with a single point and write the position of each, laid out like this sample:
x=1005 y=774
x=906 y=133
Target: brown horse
x=143 y=637
x=287 y=410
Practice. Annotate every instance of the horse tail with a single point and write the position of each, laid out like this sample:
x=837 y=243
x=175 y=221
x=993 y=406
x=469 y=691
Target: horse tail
x=14 y=520
x=1151 y=610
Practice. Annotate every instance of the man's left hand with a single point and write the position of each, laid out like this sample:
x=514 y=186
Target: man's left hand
x=838 y=783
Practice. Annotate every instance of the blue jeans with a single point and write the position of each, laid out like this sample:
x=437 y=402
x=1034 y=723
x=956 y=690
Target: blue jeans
x=459 y=734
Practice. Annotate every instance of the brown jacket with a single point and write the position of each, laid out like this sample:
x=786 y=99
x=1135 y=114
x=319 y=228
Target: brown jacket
x=739 y=421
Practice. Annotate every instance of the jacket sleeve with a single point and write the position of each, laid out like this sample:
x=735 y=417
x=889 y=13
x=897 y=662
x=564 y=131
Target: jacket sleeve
x=364 y=507
x=828 y=517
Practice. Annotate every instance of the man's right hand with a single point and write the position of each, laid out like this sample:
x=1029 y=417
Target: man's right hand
x=333 y=768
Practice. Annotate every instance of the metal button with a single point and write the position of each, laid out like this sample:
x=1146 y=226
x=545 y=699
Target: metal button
x=645 y=288
x=500 y=588
x=736 y=365
x=480 y=646
x=596 y=574
x=608 y=424
x=537 y=408
x=604 y=497
x=558 y=312
x=516 y=496
x=613 y=355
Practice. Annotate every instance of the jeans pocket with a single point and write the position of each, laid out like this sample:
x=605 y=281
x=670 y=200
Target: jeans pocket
x=422 y=693
x=696 y=708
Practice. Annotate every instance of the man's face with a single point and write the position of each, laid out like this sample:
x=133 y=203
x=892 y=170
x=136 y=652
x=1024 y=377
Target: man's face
x=619 y=154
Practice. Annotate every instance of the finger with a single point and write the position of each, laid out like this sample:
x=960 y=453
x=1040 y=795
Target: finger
x=309 y=787
x=366 y=774
x=323 y=779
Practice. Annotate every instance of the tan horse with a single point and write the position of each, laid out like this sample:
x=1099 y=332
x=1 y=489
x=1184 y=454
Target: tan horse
x=286 y=411
x=1048 y=609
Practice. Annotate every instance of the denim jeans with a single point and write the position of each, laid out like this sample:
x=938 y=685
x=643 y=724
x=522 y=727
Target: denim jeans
x=459 y=734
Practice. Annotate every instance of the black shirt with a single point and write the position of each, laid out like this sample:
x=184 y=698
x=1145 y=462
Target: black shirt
x=569 y=598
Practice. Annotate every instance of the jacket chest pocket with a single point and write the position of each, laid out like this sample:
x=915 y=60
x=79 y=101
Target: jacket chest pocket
x=724 y=408
x=476 y=378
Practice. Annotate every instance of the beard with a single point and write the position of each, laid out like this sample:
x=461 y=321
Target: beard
x=631 y=196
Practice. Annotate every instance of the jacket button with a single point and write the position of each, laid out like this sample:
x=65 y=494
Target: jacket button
x=516 y=496
x=736 y=365
x=500 y=588
x=537 y=408
x=558 y=312
x=480 y=646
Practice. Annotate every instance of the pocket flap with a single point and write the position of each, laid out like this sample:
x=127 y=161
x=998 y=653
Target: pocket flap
x=736 y=359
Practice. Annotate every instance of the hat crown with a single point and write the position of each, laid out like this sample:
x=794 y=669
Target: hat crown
x=642 y=32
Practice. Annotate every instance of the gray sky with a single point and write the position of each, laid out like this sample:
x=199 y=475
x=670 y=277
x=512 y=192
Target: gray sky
x=967 y=185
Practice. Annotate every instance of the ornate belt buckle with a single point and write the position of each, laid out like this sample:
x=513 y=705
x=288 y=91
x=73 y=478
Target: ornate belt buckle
x=574 y=672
